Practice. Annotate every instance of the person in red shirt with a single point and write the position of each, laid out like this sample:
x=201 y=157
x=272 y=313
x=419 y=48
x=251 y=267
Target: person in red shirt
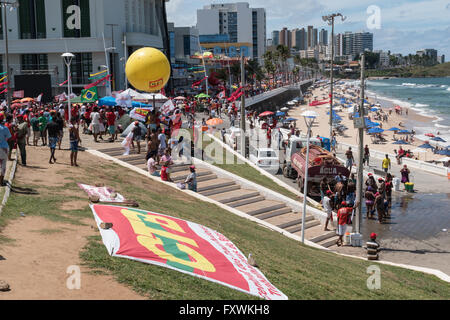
x=165 y=174
x=343 y=215
x=111 y=120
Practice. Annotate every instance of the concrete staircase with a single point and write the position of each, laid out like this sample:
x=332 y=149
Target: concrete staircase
x=228 y=192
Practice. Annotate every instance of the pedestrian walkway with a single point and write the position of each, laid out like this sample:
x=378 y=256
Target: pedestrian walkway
x=424 y=182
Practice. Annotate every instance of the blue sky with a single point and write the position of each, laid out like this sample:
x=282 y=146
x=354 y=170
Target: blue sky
x=406 y=26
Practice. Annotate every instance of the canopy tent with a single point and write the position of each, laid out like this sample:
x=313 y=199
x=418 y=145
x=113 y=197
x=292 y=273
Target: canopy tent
x=393 y=129
x=111 y=102
x=135 y=95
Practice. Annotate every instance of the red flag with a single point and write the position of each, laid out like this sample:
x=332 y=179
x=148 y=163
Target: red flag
x=61 y=84
x=96 y=83
x=198 y=82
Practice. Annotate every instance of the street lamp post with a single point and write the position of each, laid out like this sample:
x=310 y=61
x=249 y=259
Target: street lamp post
x=4 y=5
x=330 y=20
x=68 y=57
x=310 y=117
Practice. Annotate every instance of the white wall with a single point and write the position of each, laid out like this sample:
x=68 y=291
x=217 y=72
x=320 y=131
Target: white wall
x=208 y=21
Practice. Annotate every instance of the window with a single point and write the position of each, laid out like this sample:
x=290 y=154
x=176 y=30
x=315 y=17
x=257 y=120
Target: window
x=76 y=18
x=32 y=19
x=81 y=68
x=172 y=44
x=33 y=62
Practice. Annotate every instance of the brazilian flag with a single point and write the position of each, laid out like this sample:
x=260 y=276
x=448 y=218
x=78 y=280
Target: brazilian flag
x=89 y=95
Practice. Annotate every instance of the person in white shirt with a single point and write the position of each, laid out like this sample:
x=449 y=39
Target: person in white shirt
x=326 y=204
x=95 y=117
x=162 y=144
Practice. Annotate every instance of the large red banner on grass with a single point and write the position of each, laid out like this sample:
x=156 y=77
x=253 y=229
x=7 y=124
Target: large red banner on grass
x=181 y=245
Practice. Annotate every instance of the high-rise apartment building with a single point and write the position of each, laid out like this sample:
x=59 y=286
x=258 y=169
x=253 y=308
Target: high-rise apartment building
x=275 y=38
x=323 y=37
x=285 y=38
x=310 y=36
x=243 y=25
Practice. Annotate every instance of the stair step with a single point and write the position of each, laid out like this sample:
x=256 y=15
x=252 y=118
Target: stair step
x=308 y=225
x=274 y=213
x=327 y=235
x=132 y=157
x=178 y=167
x=109 y=150
x=232 y=196
x=329 y=242
x=240 y=203
x=295 y=222
x=261 y=207
x=181 y=175
x=136 y=161
x=214 y=184
x=219 y=190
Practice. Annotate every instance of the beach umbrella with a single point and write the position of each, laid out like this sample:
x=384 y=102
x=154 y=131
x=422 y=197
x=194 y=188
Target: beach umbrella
x=439 y=139
x=393 y=129
x=290 y=120
x=376 y=130
x=280 y=114
x=25 y=100
x=398 y=108
x=374 y=109
x=445 y=152
x=284 y=109
x=404 y=132
x=430 y=135
x=266 y=114
x=400 y=142
x=426 y=146
x=214 y=122
x=180 y=98
x=16 y=105
x=202 y=95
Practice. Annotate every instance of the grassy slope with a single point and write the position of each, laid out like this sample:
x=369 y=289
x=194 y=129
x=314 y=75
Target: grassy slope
x=300 y=272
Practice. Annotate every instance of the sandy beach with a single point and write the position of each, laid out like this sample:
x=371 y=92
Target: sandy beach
x=350 y=136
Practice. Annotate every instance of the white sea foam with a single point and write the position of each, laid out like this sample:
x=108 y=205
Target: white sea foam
x=420 y=105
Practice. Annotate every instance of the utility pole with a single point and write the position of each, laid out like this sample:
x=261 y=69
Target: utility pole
x=243 y=105
x=330 y=20
x=113 y=60
x=359 y=188
x=4 y=5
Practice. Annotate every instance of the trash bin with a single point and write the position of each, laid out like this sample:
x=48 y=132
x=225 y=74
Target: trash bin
x=396 y=183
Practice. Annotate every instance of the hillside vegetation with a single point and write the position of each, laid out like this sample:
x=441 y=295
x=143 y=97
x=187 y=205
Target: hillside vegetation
x=439 y=70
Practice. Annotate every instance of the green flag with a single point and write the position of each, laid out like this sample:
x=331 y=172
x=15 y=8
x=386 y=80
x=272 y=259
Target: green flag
x=89 y=95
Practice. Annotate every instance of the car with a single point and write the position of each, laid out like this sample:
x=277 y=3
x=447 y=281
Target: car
x=265 y=158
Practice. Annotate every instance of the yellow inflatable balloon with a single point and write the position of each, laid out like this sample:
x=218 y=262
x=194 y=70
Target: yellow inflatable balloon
x=148 y=69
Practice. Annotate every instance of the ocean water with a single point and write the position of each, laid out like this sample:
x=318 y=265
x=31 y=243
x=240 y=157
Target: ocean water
x=427 y=96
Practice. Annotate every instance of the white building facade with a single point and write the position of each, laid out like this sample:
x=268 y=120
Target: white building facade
x=237 y=20
x=40 y=31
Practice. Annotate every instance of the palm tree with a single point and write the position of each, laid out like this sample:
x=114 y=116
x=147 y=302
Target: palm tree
x=283 y=54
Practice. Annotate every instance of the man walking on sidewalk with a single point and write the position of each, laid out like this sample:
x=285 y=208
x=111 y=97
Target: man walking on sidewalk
x=386 y=164
x=350 y=159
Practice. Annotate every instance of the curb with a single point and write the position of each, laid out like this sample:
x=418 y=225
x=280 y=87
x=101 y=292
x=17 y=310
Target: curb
x=8 y=185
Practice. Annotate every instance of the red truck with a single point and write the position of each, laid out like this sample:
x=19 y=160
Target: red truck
x=322 y=164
